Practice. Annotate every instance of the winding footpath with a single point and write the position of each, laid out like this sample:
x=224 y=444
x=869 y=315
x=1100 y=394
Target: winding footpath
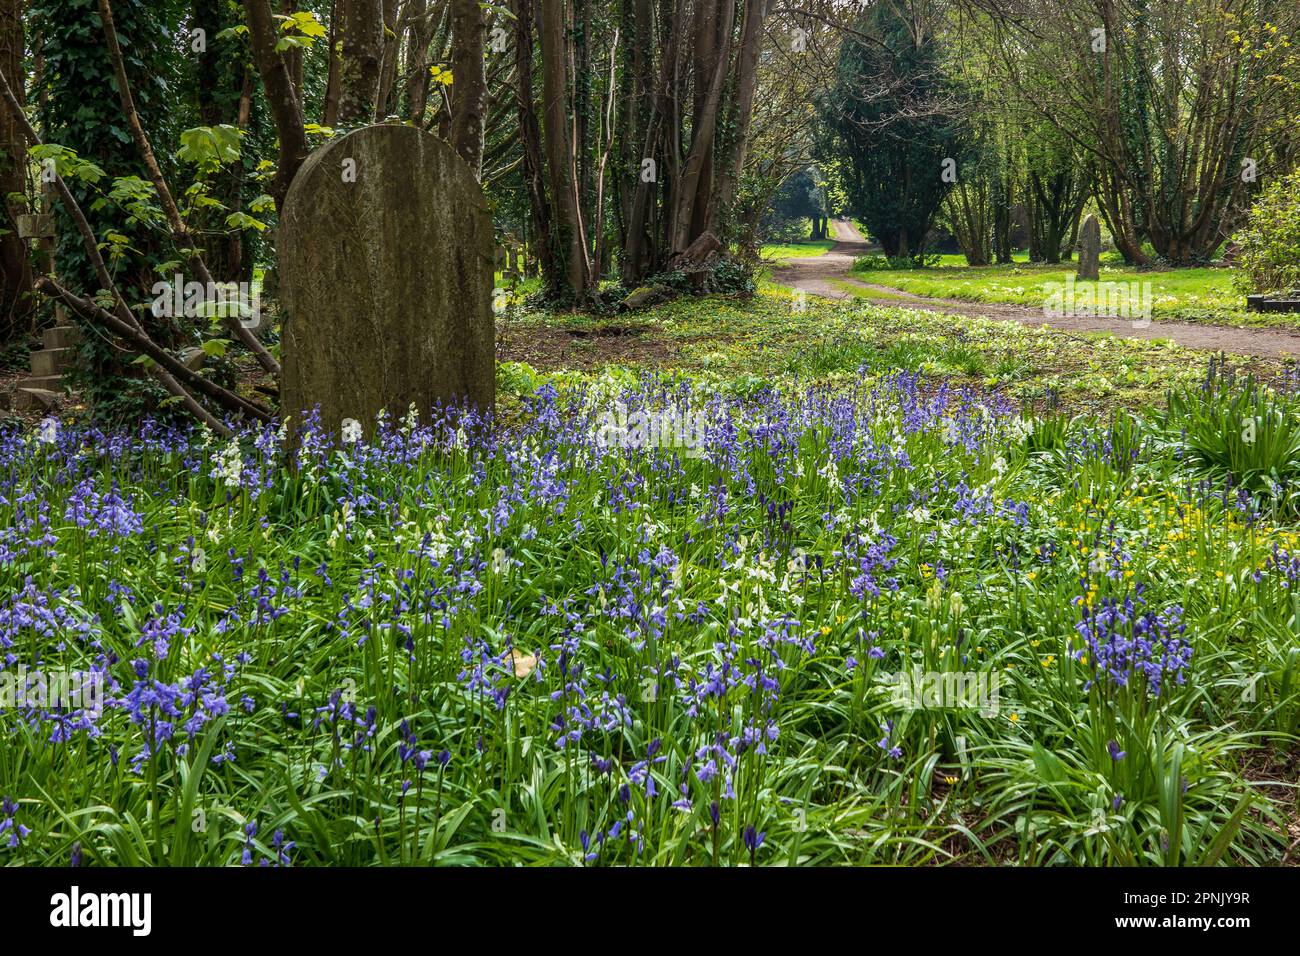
x=828 y=274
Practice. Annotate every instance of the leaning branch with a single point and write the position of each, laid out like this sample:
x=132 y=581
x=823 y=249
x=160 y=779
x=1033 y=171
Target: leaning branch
x=147 y=346
x=180 y=231
x=123 y=321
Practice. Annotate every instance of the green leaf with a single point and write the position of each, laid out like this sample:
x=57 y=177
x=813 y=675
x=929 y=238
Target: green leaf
x=241 y=220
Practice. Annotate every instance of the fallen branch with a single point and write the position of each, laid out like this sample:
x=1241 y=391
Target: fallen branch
x=91 y=312
x=122 y=315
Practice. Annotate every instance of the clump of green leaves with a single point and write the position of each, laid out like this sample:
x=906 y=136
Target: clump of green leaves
x=1270 y=243
x=1241 y=431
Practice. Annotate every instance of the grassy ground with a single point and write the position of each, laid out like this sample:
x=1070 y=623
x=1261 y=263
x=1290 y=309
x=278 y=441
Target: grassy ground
x=765 y=340
x=803 y=249
x=1189 y=295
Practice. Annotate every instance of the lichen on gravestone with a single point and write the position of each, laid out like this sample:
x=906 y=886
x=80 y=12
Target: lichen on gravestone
x=386 y=274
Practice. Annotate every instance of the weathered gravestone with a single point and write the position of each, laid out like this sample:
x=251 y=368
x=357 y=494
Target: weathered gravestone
x=1090 y=249
x=386 y=250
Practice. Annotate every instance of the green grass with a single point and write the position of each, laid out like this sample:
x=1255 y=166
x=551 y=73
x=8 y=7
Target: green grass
x=804 y=249
x=764 y=339
x=1192 y=295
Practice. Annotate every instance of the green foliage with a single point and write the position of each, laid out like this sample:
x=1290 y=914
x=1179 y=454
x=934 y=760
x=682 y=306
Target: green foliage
x=299 y=31
x=875 y=262
x=893 y=145
x=67 y=164
x=723 y=276
x=210 y=147
x=1270 y=241
x=801 y=199
x=88 y=136
x=384 y=682
x=1240 y=432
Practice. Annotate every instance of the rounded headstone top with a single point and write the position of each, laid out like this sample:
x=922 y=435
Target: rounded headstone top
x=378 y=147
x=386 y=275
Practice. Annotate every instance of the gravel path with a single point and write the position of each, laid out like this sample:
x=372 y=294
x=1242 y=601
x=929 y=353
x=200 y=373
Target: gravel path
x=825 y=275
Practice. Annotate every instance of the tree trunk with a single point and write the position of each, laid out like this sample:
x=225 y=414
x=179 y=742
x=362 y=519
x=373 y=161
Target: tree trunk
x=330 y=113
x=698 y=166
x=469 y=86
x=644 y=116
x=746 y=88
x=293 y=55
x=417 y=67
x=362 y=35
x=281 y=97
x=708 y=44
x=16 y=303
x=388 y=63
x=559 y=152
x=534 y=167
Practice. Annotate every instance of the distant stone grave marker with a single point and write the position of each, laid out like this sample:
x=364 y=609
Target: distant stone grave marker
x=1090 y=249
x=386 y=255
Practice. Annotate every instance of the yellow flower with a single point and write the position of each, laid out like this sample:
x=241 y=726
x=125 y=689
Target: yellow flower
x=1015 y=718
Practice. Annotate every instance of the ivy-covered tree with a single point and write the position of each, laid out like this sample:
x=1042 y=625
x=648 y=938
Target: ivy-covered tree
x=1178 y=106
x=82 y=113
x=16 y=301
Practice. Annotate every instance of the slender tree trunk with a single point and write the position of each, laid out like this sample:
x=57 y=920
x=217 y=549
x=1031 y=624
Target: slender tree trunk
x=330 y=113
x=645 y=117
x=388 y=63
x=281 y=97
x=545 y=243
x=559 y=151
x=687 y=188
x=417 y=67
x=708 y=47
x=746 y=88
x=293 y=55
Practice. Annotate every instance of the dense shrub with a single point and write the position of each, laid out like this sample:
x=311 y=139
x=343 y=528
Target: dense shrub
x=1270 y=242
